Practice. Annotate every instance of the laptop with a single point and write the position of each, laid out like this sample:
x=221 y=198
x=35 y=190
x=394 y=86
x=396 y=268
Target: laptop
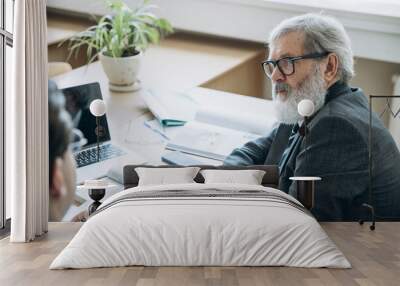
x=89 y=164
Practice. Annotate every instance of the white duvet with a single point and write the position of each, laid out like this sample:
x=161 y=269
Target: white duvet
x=185 y=231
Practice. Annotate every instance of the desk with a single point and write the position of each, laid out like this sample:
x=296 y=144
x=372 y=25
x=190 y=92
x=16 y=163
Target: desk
x=124 y=108
x=127 y=109
x=374 y=255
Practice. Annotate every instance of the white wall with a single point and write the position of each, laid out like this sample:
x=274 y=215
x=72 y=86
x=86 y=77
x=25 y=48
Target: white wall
x=375 y=35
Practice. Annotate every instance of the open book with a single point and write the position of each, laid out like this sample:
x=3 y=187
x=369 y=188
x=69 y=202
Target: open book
x=215 y=132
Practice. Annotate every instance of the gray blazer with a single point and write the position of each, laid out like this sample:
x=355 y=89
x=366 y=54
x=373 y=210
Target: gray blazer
x=337 y=151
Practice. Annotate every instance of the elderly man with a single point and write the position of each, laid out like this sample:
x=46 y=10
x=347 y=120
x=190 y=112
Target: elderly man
x=310 y=58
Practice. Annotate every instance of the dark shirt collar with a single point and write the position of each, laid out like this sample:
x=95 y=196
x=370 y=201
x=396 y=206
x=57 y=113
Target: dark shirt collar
x=335 y=90
x=295 y=129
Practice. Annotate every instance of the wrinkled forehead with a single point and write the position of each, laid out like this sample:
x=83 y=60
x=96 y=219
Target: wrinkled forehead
x=287 y=45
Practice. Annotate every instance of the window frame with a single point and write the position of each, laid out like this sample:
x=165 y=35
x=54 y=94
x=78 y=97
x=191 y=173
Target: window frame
x=6 y=39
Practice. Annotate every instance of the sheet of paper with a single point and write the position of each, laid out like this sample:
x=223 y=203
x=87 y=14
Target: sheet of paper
x=163 y=131
x=210 y=141
x=235 y=119
x=223 y=122
x=235 y=111
x=140 y=134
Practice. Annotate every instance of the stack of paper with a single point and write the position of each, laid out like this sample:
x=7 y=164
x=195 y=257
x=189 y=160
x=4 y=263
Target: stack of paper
x=215 y=132
x=208 y=141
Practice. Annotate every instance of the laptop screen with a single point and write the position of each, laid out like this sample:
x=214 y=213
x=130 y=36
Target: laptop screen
x=77 y=102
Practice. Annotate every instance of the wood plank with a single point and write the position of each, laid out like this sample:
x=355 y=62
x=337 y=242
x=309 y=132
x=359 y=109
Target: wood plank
x=375 y=257
x=61 y=27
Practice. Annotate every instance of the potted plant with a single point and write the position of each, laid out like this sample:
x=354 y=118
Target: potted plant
x=119 y=41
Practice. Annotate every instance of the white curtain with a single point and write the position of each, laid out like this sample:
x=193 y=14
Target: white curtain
x=27 y=124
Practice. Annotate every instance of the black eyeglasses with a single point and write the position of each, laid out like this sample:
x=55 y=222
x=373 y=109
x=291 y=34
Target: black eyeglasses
x=286 y=64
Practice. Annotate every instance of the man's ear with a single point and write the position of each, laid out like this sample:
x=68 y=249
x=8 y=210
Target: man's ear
x=331 y=69
x=56 y=188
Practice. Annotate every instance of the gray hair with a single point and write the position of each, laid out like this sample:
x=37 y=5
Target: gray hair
x=321 y=34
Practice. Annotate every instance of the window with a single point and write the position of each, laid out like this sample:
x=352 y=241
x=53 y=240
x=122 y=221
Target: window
x=9 y=19
x=6 y=43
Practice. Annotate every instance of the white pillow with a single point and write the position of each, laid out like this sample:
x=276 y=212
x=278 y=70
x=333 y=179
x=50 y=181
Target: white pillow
x=165 y=176
x=248 y=177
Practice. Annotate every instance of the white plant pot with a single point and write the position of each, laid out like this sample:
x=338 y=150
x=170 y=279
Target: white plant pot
x=122 y=72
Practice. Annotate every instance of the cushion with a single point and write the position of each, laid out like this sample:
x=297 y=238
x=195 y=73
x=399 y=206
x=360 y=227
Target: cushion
x=162 y=176
x=248 y=177
x=271 y=177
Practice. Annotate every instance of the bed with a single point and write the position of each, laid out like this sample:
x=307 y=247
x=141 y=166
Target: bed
x=201 y=224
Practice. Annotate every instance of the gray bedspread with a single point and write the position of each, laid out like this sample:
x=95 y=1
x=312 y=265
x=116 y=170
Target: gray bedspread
x=206 y=193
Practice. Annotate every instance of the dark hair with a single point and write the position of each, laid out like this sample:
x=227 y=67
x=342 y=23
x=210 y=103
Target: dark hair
x=59 y=126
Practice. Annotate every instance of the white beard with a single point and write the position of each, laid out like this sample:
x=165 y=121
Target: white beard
x=312 y=88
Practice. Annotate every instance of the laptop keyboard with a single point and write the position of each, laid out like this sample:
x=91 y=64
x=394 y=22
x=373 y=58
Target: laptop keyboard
x=89 y=156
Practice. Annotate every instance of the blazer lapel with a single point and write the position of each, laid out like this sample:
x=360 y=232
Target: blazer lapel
x=279 y=144
x=290 y=150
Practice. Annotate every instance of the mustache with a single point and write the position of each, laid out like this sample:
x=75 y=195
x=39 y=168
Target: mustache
x=280 y=86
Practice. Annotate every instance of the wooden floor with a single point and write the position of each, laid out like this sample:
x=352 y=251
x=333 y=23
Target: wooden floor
x=375 y=257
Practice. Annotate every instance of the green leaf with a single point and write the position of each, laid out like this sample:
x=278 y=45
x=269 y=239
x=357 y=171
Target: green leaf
x=164 y=26
x=153 y=35
x=123 y=32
